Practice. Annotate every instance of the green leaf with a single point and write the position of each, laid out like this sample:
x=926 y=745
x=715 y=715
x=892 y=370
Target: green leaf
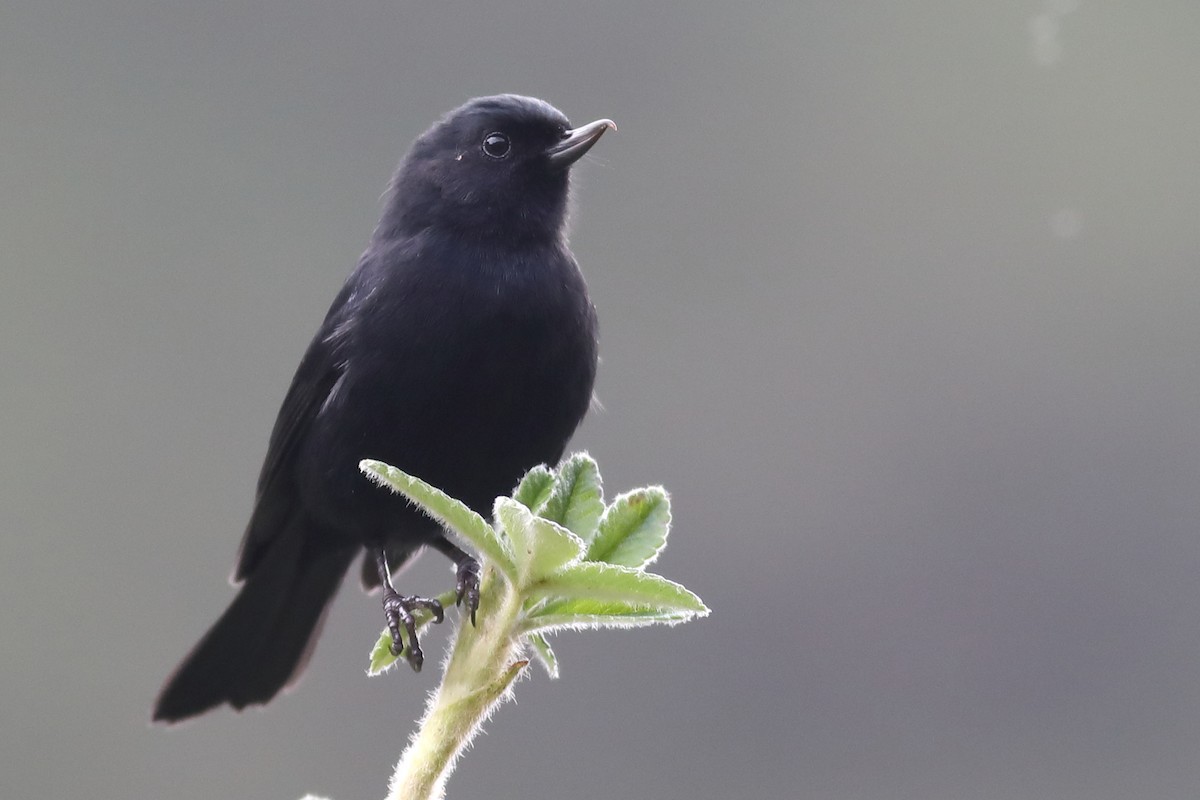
x=577 y=500
x=468 y=526
x=382 y=657
x=541 y=649
x=534 y=489
x=576 y=613
x=540 y=546
x=593 y=580
x=633 y=530
x=486 y=695
x=505 y=681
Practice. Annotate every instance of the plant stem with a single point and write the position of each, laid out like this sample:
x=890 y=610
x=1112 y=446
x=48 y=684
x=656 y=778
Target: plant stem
x=476 y=680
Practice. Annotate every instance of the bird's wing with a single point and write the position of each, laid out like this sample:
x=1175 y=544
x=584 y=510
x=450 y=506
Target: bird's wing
x=315 y=378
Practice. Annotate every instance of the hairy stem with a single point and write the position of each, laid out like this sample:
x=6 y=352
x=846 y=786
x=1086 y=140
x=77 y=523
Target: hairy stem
x=477 y=678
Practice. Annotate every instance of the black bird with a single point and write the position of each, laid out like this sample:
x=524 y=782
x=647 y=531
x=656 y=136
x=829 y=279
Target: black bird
x=462 y=349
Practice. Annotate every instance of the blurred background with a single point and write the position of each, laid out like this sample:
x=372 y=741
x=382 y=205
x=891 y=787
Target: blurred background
x=900 y=300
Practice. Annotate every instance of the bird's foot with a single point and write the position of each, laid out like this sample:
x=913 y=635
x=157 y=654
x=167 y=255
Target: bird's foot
x=466 y=575
x=398 y=609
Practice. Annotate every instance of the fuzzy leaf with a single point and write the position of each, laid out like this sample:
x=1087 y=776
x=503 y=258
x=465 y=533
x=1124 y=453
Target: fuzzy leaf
x=633 y=530
x=381 y=654
x=577 y=500
x=541 y=649
x=540 y=546
x=503 y=683
x=577 y=613
x=493 y=691
x=459 y=520
x=534 y=489
x=593 y=580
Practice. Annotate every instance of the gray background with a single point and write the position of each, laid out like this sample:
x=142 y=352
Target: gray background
x=900 y=300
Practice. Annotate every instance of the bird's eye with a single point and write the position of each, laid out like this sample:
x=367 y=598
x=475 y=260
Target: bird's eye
x=496 y=145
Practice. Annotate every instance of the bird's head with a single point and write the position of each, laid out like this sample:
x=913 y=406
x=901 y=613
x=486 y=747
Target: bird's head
x=495 y=168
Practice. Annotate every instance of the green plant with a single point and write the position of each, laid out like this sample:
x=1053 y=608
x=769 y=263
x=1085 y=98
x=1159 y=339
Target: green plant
x=557 y=558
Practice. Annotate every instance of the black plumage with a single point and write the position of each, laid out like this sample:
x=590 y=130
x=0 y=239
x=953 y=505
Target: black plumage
x=462 y=349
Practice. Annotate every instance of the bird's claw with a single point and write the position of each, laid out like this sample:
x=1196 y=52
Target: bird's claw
x=398 y=610
x=467 y=585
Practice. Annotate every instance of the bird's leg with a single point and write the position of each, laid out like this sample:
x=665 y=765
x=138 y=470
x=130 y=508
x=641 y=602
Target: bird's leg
x=398 y=609
x=466 y=573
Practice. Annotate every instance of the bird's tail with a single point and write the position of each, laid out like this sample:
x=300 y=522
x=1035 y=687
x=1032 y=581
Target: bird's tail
x=263 y=640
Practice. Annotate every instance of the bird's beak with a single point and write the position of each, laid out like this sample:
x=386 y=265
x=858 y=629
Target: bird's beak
x=577 y=141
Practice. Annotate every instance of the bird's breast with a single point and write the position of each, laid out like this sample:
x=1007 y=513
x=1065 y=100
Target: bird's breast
x=464 y=368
